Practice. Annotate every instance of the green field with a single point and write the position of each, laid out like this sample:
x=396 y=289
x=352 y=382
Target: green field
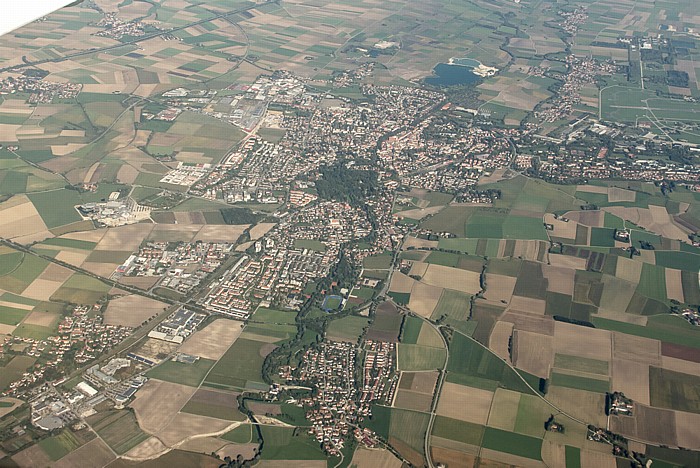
x=310 y=244
x=182 y=373
x=674 y=390
x=281 y=443
x=56 y=207
x=10 y=261
x=411 y=330
x=23 y=274
x=266 y=315
x=460 y=431
x=473 y=365
x=419 y=358
x=688 y=336
x=11 y=316
x=239 y=365
x=580 y=364
x=378 y=262
x=582 y=383
x=510 y=442
x=347 y=328
x=678 y=260
x=119 y=429
x=70 y=243
x=35 y=332
x=652 y=283
x=453 y=304
x=58 y=446
x=243 y=434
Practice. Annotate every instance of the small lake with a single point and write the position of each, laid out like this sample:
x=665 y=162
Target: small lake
x=445 y=74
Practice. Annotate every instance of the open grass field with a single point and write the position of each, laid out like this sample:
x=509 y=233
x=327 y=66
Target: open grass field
x=419 y=358
x=58 y=446
x=118 y=429
x=347 y=328
x=281 y=443
x=182 y=373
x=580 y=382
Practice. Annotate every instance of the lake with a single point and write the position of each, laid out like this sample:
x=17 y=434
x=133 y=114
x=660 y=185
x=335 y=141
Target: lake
x=445 y=74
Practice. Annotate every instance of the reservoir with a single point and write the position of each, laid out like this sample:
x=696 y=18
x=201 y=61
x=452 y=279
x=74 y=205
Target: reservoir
x=445 y=74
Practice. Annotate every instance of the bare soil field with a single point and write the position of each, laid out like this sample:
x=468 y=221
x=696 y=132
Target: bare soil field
x=591 y=459
x=6 y=329
x=529 y=322
x=567 y=261
x=616 y=195
x=143 y=282
x=94 y=453
x=148 y=449
x=680 y=352
x=628 y=270
x=582 y=341
x=157 y=403
x=174 y=232
x=401 y=283
x=579 y=403
x=259 y=230
x=631 y=378
x=101 y=269
x=203 y=445
x=656 y=424
x=423 y=382
x=687 y=433
x=559 y=279
x=424 y=298
x=185 y=425
x=41 y=289
x=464 y=403
x=419 y=243
x=674 y=285
x=500 y=336
x=499 y=287
x=510 y=460
x=451 y=458
x=533 y=352
x=72 y=258
x=452 y=278
x=217 y=233
x=19 y=217
x=132 y=310
x=125 y=237
x=33 y=456
x=553 y=454
x=528 y=304
x=43 y=319
x=376 y=458
x=636 y=348
x=566 y=230
x=54 y=272
x=418 y=268
x=678 y=365
x=420 y=213
x=214 y=340
x=247 y=451
x=592 y=218
x=413 y=400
